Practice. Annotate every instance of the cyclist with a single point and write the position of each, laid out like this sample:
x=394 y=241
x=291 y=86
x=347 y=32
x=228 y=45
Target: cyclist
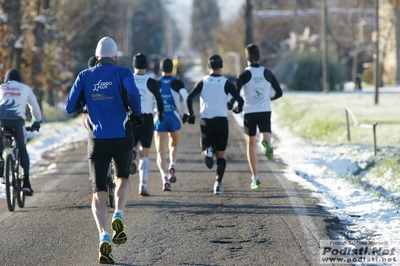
x=109 y=92
x=149 y=90
x=14 y=97
x=91 y=63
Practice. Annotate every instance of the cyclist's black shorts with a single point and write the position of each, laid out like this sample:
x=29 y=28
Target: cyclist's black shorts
x=100 y=153
x=214 y=132
x=144 y=133
x=252 y=120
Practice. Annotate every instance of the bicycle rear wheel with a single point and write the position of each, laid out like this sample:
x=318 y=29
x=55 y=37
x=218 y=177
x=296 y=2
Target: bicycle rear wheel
x=111 y=186
x=10 y=180
x=20 y=195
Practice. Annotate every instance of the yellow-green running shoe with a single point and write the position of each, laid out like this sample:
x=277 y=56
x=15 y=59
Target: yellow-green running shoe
x=256 y=183
x=268 y=151
x=105 y=251
x=119 y=234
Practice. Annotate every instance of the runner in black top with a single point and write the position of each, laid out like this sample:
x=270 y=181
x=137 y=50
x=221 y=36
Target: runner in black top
x=214 y=90
x=149 y=90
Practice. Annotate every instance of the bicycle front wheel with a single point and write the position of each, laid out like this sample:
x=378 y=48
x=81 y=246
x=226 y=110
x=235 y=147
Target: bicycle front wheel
x=10 y=181
x=20 y=195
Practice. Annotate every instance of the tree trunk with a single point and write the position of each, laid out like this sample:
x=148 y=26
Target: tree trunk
x=13 y=10
x=38 y=49
x=397 y=17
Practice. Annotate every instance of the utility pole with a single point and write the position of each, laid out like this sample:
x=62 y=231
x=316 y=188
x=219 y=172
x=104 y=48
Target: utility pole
x=324 y=22
x=376 y=56
x=295 y=19
x=249 y=22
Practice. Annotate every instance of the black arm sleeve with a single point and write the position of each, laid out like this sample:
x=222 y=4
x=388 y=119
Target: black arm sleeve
x=154 y=88
x=242 y=79
x=230 y=88
x=195 y=91
x=274 y=83
x=177 y=85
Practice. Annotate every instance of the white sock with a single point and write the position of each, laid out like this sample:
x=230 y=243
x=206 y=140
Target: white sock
x=103 y=234
x=172 y=165
x=148 y=167
x=144 y=167
x=254 y=177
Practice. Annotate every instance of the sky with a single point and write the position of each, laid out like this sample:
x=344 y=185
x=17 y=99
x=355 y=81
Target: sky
x=321 y=169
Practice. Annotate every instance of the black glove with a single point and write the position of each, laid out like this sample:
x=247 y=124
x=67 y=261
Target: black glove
x=84 y=110
x=35 y=126
x=230 y=104
x=237 y=110
x=160 y=116
x=136 y=121
x=185 y=118
x=191 y=119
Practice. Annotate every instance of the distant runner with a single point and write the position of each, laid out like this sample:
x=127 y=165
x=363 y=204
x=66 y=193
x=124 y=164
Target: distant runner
x=260 y=88
x=214 y=90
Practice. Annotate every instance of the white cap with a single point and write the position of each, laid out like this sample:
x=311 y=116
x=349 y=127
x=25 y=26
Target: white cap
x=106 y=47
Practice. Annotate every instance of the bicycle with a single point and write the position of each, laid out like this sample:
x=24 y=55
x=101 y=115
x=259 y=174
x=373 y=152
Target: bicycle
x=110 y=185
x=13 y=171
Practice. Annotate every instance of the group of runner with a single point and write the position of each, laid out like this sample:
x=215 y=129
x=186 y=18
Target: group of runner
x=113 y=96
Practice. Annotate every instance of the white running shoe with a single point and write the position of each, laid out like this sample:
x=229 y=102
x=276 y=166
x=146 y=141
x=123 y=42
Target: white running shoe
x=209 y=153
x=218 y=188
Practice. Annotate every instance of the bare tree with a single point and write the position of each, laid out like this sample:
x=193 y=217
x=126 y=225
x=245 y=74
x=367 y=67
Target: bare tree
x=11 y=34
x=39 y=9
x=205 y=22
x=396 y=8
x=148 y=27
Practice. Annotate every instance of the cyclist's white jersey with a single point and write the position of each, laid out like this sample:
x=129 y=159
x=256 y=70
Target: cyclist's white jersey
x=14 y=96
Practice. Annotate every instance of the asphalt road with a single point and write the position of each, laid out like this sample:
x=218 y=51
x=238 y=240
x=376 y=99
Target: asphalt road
x=279 y=224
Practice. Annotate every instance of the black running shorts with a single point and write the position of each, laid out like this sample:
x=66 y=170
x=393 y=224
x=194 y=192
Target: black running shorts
x=100 y=154
x=214 y=132
x=252 y=120
x=144 y=133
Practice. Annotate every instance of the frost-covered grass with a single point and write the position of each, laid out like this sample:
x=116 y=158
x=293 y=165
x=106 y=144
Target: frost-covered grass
x=320 y=119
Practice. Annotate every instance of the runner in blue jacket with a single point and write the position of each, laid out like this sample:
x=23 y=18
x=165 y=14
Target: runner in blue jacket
x=112 y=99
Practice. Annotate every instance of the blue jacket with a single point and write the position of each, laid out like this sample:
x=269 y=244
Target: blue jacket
x=101 y=88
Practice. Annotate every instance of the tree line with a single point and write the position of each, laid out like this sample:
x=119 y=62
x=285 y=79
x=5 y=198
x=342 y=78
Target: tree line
x=50 y=41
